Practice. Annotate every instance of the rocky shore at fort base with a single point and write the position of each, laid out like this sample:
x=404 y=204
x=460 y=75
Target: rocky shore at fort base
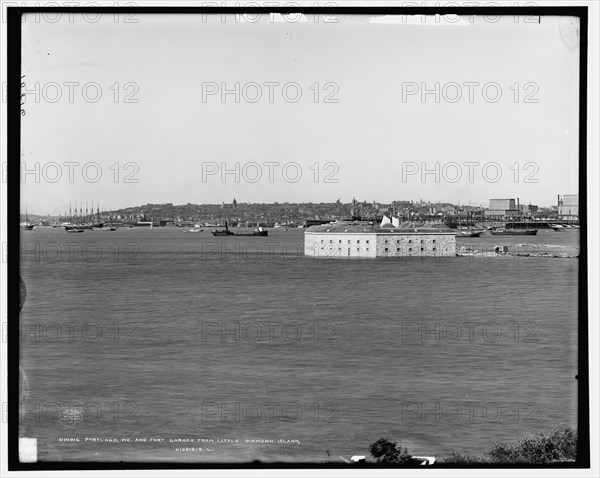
x=496 y=254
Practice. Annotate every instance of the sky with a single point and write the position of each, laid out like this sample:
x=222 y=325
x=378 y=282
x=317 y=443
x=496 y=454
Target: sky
x=133 y=113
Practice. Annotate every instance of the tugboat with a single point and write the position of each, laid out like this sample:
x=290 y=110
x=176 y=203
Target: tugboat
x=257 y=232
x=226 y=232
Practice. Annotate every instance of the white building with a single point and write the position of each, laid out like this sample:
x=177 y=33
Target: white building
x=568 y=206
x=364 y=241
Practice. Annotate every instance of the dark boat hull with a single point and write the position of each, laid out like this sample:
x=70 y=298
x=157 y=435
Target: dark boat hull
x=227 y=232
x=26 y=228
x=251 y=234
x=85 y=226
x=257 y=233
x=524 y=232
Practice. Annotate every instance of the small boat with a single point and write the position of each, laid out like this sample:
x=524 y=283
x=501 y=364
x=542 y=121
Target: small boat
x=564 y=227
x=97 y=226
x=468 y=233
x=74 y=230
x=257 y=232
x=501 y=231
x=25 y=225
x=104 y=228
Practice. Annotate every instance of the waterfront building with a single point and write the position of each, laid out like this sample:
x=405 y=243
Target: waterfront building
x=499 y=207
x=356 y=240
x=529 y=209
x=568 y=206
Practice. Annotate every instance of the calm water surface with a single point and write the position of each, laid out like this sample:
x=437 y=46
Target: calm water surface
x=166 y=334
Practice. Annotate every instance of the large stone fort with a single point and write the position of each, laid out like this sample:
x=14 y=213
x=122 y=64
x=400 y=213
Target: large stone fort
x=339 y=240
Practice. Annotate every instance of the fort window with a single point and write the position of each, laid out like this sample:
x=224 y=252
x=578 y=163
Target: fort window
x=386 y=249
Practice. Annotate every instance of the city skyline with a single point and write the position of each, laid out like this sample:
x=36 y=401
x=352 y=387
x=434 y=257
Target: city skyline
x=77 y=208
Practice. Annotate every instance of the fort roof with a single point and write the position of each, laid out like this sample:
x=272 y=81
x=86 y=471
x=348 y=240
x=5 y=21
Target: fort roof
x=406 y=228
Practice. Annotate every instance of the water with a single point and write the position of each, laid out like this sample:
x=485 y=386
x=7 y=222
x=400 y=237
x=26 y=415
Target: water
x=327 y=355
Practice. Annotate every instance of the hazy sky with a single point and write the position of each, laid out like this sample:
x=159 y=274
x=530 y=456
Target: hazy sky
x=380 y=127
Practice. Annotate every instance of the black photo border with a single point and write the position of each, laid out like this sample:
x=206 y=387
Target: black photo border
x=13 y=219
